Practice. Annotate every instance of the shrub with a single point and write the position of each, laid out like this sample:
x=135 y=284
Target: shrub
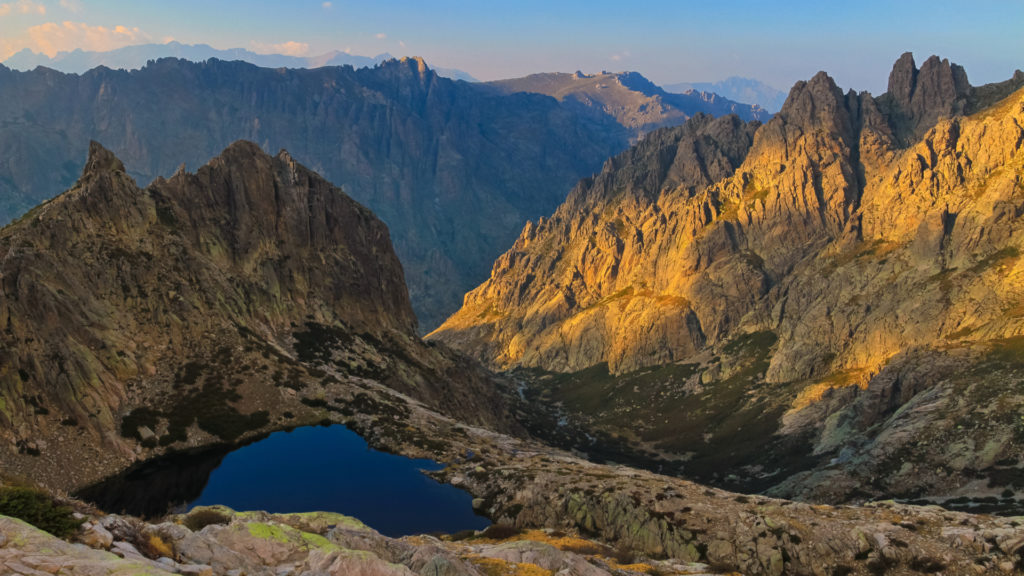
x=500 y=532
x=199 y=519
x=38 y=509
x=623 y=554
x=927 y=565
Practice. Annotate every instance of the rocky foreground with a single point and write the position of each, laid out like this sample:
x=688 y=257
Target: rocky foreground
x=219 y=541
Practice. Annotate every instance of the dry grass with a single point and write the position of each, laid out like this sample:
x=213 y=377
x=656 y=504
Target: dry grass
x=155 y=547
x=640 y=567
x=566 y=543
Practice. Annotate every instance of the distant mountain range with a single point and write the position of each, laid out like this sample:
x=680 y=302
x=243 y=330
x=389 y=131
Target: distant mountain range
x=736 y=89
x=454 y=168
x=746 y=90
x=635 y=102
x=135 y=57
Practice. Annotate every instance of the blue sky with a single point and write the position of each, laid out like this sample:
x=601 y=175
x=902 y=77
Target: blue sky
x=667 y=40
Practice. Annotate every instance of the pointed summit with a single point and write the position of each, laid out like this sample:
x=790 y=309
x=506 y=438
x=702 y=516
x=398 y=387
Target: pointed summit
x=817 y=103
x=917 y=98
x=903 y=78
x=101 y=160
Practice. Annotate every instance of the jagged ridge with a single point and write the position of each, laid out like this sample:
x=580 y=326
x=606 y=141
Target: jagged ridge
x=845 y=244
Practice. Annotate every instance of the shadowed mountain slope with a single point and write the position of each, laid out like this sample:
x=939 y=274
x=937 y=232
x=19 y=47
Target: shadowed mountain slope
x=452 y=168
x=251 y=295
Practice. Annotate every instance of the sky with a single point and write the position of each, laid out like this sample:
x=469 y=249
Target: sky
x=668 y=41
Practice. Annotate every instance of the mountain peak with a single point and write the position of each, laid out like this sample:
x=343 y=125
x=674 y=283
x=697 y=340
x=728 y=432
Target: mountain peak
x=815 y=102
x=101 y=160
x=903 y=77
x=242 y=148
x=412 y=63
x=917 y=97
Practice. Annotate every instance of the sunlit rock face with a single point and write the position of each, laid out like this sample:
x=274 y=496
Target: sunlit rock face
x=860 y=231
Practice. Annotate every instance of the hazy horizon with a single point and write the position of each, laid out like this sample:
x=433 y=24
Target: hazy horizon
x=668 y=42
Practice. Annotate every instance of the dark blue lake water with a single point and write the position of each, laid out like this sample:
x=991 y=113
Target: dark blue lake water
x=311 y=468
x=332 y=469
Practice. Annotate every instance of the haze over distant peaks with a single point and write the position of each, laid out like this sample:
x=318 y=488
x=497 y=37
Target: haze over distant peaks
x=745 y=90
x=634 y=101
x=135 y=57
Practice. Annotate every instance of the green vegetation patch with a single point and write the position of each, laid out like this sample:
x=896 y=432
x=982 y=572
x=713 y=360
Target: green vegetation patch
x=317 y=342
x=38 y=509
x=1007 y=352
x=204 y=396
x=267 y=532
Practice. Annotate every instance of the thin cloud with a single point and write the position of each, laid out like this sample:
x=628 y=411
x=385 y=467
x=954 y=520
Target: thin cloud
x=619 y=57
x=51 y=37
x=290 y=48
x=71 y=5
x=23 y=7
x=327 y=5
x=381 y=36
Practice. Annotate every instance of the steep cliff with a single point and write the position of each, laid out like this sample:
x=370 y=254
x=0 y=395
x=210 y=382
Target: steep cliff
x=203 y=308
x=454 y=169
x=820 y=238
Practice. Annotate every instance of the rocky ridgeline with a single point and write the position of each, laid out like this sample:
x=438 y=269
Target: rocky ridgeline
x=872 y=247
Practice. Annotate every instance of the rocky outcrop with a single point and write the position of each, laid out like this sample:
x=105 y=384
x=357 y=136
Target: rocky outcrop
x=453 y=168
x=633 y=101
x=204 y=308
x=823 y=231
x=662 y=517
